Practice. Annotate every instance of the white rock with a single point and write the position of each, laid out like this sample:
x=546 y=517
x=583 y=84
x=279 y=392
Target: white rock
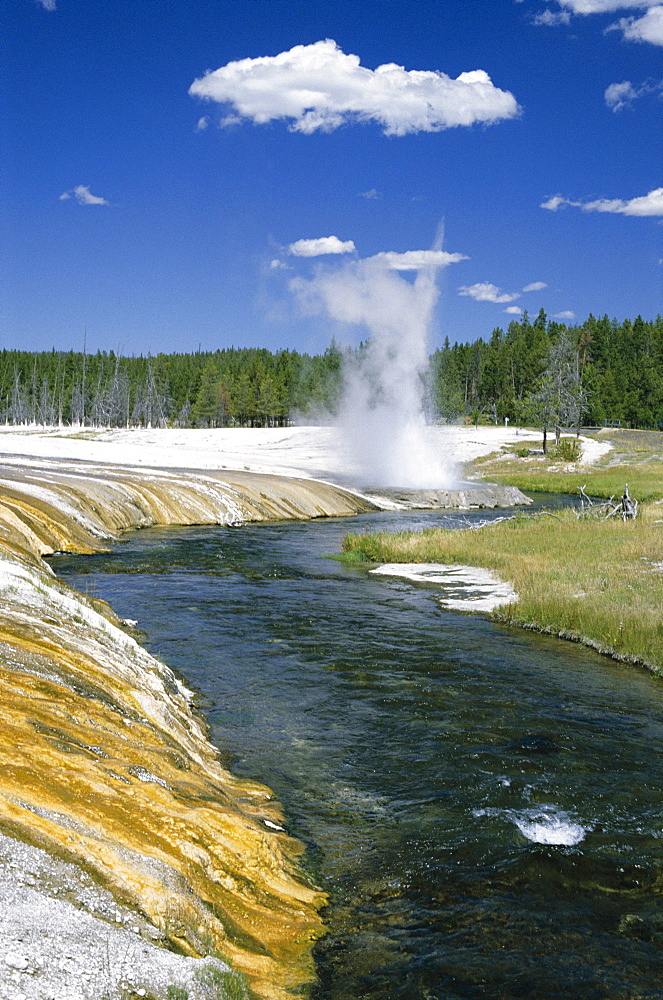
x=19 y=962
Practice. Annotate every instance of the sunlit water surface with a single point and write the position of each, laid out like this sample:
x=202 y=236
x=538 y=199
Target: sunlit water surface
x=483 y=805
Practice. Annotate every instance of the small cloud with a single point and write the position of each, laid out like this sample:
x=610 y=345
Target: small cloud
x=416 y=260
x=565 y=314
x=622 y=95
x=647 y=205
x=513 y=310
x=202 y=123
x=229 y=121
x=319 y=87
x=320 y=247
x=619 y=95
x=278 y=265
x=645 y=28
x=551 y=19
x=371 y=195
x=83 y=196
x=552 y=204
x=484 y=291
x=604 y=6
x=535 y=286
x=47 y=4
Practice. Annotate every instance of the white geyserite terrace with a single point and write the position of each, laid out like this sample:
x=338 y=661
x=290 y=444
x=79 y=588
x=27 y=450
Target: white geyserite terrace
x=215 y=496
x=302 y=451
x=465 y=588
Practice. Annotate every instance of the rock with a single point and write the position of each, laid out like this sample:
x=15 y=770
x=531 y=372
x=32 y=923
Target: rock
x=467 y=495
x=18 y=962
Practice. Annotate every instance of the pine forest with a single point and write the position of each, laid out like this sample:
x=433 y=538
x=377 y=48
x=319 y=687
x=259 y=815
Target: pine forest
x=540 y=373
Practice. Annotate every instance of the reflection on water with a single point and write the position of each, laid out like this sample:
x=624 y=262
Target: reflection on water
x=483 y=805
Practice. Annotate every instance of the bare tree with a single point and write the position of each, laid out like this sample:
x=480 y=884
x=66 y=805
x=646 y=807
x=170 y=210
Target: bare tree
x=18 y=411
x=560 y=399
x=151 y=405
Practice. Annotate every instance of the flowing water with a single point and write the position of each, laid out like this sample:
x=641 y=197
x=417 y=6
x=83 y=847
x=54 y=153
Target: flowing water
x=483 y=805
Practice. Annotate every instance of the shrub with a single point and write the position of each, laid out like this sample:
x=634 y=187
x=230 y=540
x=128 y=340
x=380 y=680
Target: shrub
x=568 y=450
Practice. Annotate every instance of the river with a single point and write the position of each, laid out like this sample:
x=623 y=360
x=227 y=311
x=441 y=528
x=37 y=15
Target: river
x=483 y=805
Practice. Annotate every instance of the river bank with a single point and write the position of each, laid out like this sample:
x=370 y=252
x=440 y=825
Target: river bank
x=108 y=774
x=596 y=582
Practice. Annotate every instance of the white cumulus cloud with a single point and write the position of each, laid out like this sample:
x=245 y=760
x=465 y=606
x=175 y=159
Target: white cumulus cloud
x=647 y=205
x=648 y=28
x=318 y=87
x=320 y=247
x=645 y=28
x=622 y=95
x=555 y=202
x=513 y=310
x=484 y=291
x=83 y=196
x=550 y=19
x=605 y=6
x=565 y=314
x=619 y=95
x=535 y=286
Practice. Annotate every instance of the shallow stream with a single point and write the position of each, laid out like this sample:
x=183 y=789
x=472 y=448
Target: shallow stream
x=483 y=805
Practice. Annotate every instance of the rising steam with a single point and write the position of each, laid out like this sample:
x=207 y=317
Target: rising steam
x=382 y=415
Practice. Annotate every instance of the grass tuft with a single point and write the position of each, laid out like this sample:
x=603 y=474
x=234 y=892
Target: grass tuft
x=224 y=984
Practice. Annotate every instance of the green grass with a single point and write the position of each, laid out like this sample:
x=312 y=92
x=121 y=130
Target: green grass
x=645 y=480
x=224 y=984
x=177 y=993
x=636 y=458
x=592 y=581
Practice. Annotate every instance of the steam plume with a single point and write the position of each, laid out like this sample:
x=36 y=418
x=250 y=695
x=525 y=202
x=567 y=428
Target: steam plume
x=382 y=416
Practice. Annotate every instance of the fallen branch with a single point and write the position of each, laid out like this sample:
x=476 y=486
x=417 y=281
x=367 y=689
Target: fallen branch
x=465 y=524
x=626 y=508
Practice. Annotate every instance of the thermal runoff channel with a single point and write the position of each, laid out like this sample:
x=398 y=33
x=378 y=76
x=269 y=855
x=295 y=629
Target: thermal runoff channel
x=382 y=417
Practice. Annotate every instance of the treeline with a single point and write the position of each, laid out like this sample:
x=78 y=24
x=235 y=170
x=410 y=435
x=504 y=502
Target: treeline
x=536 y=371
x=618 y=368
x=234 y=387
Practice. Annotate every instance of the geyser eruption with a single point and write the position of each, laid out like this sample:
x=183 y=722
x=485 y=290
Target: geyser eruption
x=382 y=416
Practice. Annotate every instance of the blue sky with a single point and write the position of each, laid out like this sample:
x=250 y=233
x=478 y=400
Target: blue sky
x=175 y=170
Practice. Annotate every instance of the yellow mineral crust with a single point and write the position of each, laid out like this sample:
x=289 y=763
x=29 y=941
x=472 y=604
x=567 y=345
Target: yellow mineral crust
x=104 y=760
